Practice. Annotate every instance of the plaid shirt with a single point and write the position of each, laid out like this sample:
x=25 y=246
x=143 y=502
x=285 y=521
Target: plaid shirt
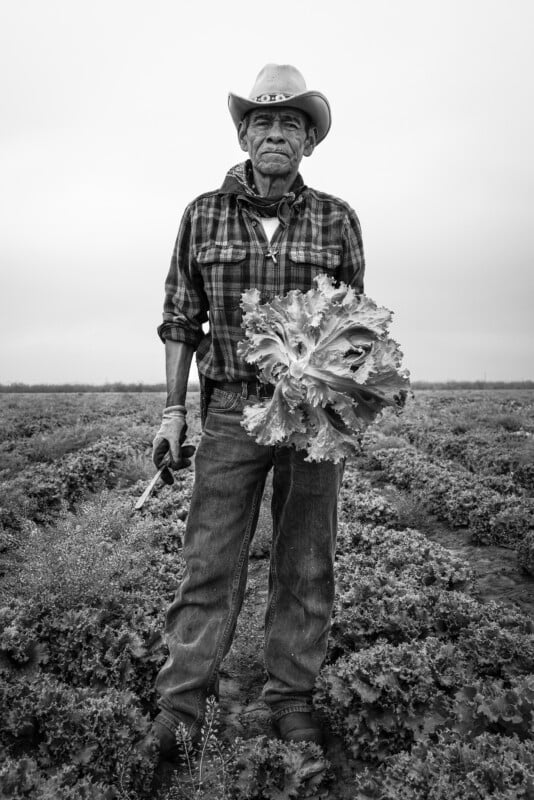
x=222 y=249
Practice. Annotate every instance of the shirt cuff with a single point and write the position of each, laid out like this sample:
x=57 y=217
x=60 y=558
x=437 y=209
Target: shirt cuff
x=176 y=333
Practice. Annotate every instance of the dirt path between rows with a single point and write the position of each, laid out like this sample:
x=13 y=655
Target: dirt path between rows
x=498 y=576
x=243 y=675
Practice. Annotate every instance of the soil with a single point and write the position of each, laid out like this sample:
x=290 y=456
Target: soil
x=498 y=576
x=497 y=573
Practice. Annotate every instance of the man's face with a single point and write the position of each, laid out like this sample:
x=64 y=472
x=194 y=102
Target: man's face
x=276 y=140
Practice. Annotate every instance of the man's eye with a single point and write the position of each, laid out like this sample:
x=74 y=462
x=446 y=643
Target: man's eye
x=291 y=124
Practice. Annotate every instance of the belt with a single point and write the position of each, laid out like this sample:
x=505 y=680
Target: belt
x=246 y=388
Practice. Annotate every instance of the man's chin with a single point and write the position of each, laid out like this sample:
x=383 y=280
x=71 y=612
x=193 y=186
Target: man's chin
x=274 y=168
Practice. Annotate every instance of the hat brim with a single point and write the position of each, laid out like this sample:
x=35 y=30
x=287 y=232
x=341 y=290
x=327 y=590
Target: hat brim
x=314 y=104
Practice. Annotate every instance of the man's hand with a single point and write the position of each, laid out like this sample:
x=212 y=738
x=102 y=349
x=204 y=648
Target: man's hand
x=170 y=439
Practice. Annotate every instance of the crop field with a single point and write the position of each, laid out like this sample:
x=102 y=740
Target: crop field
x=427 y=692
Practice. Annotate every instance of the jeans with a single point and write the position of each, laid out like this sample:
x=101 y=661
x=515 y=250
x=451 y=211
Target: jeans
x=230 y=474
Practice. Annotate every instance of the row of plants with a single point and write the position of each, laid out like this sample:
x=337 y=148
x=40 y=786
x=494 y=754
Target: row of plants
x=454 y=768
x=79 y=650
x=91 y=444
x=415 y=665
x=471 y=411
x=37 y=422
x=27 y=417
x=483 y=453
x=456 y=496
x=80 y=647
x=429 y=688
x=493 y=438
x=40 y=492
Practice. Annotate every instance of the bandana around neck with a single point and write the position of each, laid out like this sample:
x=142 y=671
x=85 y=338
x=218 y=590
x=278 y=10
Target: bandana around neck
x=240 y=181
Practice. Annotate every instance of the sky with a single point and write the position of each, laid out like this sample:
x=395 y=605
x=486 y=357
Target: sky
x=114 y=116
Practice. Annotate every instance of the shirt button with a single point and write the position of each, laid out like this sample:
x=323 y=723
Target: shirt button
x=254 y=223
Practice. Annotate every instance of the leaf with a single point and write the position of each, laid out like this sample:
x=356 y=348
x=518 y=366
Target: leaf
x=85 y=755
x=366 y=692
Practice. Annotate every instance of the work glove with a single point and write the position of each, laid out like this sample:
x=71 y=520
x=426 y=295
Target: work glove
x=169 y=440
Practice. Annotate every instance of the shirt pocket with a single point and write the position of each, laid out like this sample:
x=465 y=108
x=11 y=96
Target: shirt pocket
x=306 y=262
x=223 y=269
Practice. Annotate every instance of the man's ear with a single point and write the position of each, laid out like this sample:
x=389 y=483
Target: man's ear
x=241 y=136
x=311 y=141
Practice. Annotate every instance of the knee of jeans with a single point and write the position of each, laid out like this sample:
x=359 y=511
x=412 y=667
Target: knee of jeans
x=310 y=562
x=313 y=580
x=315 y=570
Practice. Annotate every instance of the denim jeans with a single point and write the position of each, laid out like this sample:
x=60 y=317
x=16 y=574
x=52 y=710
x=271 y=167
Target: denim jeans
x=231 y=470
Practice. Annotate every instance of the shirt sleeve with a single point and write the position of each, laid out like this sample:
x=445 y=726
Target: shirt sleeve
x=353 y=265
x=185 y=306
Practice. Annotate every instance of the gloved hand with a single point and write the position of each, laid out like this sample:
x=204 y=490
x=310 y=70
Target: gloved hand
x=169 y=439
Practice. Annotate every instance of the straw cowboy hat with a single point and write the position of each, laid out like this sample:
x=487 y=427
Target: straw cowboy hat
x=280 y=85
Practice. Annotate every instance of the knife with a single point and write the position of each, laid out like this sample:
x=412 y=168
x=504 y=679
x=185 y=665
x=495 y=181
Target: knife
x=150 y=488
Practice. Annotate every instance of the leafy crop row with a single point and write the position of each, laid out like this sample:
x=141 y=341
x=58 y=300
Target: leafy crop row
x=488 y=766
x=26 y=417
x=41 y=491
x=483 y=453
x=458 y=497
x=429 y=687
x=384 y=698
x=80 y=646
x=419 y=669
x=489 y=436
x=99 y=735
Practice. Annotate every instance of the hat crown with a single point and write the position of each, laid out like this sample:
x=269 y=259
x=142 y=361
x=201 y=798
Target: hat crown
x=278 y=79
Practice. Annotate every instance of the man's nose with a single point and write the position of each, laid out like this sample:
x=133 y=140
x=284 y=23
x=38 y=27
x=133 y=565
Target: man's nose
x=276 y=132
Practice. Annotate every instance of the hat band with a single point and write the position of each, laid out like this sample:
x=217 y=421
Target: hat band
x=271 y=98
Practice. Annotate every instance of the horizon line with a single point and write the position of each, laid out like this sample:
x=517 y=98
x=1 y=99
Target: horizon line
x=193 y=384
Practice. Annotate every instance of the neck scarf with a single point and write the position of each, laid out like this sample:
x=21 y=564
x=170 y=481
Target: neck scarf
x=240 y=181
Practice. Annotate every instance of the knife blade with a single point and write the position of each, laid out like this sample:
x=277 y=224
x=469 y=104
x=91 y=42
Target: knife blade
x=149 y=489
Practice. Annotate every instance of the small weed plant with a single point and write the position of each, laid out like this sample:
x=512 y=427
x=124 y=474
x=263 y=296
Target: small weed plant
x=256 y=769
x=206 y=766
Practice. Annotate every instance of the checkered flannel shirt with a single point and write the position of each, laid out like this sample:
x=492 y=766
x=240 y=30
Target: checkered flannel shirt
x=221 y=250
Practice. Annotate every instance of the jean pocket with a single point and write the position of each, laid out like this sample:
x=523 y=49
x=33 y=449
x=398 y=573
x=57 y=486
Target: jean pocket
x=221 y=401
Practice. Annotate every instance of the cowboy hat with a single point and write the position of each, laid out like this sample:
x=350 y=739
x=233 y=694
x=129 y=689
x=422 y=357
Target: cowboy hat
x=279 y=85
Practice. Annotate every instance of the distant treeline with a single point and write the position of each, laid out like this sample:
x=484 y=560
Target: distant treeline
x=193 y=386
x=472 y=385
x=87 y=387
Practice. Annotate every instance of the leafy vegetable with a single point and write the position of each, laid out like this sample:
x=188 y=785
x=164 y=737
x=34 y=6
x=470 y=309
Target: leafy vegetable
x=383 y=698
x=332 y=364
x=457 y=496
x=488 y=766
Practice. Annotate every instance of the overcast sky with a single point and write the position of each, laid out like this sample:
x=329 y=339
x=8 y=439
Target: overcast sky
x=114 y=116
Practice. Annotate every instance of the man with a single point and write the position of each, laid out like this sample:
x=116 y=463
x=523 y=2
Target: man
x=263 y=228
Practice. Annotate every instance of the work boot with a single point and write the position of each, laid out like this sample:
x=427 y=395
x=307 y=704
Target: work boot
x=299 y=726
x=163 y=736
